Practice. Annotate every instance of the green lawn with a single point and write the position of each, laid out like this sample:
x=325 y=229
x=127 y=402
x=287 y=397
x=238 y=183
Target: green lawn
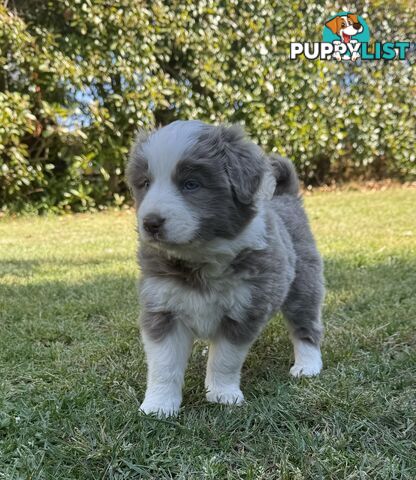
x=72 y=370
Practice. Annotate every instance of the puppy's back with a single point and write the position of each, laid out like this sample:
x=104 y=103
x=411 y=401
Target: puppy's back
x=287 y=203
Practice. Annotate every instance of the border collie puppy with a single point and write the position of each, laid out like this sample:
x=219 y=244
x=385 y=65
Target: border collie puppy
x=224 y=245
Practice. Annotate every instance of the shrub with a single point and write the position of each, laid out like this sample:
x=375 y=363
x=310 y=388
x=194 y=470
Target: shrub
x=79 y=77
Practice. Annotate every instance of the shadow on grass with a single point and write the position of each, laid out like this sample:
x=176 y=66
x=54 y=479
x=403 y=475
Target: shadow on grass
x=23 y=268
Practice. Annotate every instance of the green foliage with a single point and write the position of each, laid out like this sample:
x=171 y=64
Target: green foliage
x=79 y=77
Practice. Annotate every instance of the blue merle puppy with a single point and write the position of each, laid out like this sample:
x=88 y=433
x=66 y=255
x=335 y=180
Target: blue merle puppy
x=225 y=244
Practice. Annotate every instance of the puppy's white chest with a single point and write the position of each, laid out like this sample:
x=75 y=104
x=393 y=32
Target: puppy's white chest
x=201 y=311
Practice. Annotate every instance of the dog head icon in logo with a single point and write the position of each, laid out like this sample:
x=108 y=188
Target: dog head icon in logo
x=346 y=28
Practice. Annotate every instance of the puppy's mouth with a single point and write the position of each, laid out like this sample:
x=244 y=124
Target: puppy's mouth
x=151 y=238
x=160 y=241
x=346 y=37
x=155 y=237
x=157 y=240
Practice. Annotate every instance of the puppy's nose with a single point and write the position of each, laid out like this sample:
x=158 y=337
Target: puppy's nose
x=153 y=223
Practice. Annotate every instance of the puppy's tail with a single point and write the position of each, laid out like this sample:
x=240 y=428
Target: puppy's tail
x=287 y=181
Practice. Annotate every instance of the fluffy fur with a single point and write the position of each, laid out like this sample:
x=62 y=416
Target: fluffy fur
x=224 y=245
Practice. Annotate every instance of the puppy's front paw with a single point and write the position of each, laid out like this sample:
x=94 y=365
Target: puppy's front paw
x=230 y=395
x=309 y=370
x=162 y=408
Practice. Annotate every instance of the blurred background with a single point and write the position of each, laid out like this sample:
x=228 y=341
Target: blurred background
x=79 y=77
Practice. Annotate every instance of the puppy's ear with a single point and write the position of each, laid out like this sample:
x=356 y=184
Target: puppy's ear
x=244 y=163
x=353 y=18
x=333 y=25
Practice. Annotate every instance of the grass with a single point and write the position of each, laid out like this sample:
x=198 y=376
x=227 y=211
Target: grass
x=72 y=370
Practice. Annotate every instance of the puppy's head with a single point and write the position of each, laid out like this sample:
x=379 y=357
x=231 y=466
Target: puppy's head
x=194 y=182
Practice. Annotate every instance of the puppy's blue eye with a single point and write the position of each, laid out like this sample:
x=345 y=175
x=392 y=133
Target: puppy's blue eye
x=191 y=185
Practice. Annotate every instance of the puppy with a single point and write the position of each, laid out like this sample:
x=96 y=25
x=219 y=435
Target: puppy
x=224 y=245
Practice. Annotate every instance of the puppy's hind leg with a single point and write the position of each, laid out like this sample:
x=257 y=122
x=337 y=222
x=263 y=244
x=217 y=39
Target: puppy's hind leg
x=302 y=310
